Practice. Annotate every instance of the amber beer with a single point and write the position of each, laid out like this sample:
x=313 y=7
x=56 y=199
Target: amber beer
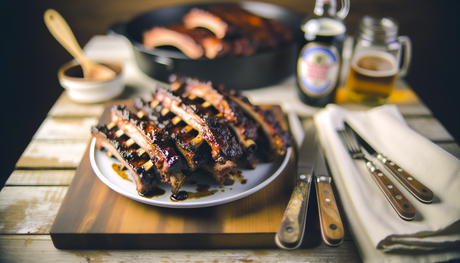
x=372 y=77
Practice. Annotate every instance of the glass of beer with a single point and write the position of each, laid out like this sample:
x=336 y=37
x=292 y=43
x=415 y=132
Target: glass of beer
x=375 y=62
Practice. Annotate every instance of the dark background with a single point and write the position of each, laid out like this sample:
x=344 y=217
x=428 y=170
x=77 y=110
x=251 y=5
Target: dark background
x=30 y=56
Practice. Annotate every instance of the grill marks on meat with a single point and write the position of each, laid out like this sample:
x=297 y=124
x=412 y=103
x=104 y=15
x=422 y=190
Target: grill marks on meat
x=154 y=141
x=150 y=138
x=185 y=86
x=217 y=135
x=220 y=31
x=189 y=143
x=144 y=178
x=275 y=140
x=244 y=128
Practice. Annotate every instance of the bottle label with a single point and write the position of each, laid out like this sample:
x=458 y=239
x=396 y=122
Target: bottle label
x=318 y=69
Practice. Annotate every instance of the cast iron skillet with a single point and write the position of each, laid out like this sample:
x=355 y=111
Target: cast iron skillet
x=259 y=70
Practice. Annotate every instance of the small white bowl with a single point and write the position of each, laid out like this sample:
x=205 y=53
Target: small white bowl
x=87 y=91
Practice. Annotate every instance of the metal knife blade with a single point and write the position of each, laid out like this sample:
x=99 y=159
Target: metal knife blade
x=292 y=227
x=417 y=189
x=331 y=223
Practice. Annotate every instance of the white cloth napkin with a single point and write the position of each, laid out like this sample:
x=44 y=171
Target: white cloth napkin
x=381 y=235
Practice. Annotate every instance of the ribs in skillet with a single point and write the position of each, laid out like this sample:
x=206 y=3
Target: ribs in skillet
x=220 y=31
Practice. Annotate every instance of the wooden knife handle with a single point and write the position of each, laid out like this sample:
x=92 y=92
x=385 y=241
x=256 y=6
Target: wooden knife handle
x=420 y=191
x=403 y=207
x=331 y=222
x=292 y=228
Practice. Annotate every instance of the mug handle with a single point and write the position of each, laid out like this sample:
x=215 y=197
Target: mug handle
x=406 y=43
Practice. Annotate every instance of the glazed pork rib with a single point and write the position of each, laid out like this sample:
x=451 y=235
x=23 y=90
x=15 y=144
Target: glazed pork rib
x=188 y=142
x=275 y=140
x=217 y=135
x=243 y=127
x=153 y=141
x=146 y=177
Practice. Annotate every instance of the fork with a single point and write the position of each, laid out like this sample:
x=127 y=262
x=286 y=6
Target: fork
x=400 y=204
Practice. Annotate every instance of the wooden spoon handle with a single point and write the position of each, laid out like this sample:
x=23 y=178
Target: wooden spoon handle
x=62 y=32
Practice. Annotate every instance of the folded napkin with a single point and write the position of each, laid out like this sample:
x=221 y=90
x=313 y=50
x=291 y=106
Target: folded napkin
x=381 y=235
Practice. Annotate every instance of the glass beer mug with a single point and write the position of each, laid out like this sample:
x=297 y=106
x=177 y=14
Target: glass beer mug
x=376 y=60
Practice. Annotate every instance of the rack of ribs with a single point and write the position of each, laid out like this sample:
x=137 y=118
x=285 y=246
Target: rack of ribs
x=220 y=31
x=193 y=126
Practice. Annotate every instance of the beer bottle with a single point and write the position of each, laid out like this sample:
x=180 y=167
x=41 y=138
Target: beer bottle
x=319 y=62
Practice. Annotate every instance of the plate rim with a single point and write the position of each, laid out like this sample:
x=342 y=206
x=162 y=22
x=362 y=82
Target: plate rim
x=225 y=200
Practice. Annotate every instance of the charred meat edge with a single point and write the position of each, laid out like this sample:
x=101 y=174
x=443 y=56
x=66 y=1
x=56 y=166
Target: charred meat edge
x=223 y=144
x=185 y=86
x=145 y=180
x=186 y=144
x=150 y=138
x=179 y=134
x=243 y=127
x=198 y=158
x=221 y=173
x=277 y=140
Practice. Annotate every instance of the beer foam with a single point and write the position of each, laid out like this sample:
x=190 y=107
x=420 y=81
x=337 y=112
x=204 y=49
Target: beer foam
x=374 y=73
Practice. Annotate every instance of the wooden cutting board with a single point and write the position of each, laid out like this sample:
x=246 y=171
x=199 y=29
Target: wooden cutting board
x=93 y=216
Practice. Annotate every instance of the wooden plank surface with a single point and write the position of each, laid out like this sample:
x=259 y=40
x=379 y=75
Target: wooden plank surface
x=40 y=178
x=52 y=154
x=64 y=107
x=39 y=248
x=29 y=210
x=68 y=129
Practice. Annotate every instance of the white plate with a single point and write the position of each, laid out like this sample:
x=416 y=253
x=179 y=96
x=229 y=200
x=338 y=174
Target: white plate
x=253 y=181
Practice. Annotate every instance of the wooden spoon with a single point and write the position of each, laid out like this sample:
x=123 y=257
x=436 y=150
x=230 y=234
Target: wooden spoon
x=63 y=34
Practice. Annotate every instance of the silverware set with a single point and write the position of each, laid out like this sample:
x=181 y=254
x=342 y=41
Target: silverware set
x=360 y=150
x=312 y=168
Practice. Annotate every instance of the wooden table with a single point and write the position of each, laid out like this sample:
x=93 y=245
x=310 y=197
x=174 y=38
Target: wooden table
x=34 y=192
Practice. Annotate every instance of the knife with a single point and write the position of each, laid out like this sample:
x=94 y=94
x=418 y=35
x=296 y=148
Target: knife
x=417 y=189
x=292 y=227
x=331 y=222
x=395 y=197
